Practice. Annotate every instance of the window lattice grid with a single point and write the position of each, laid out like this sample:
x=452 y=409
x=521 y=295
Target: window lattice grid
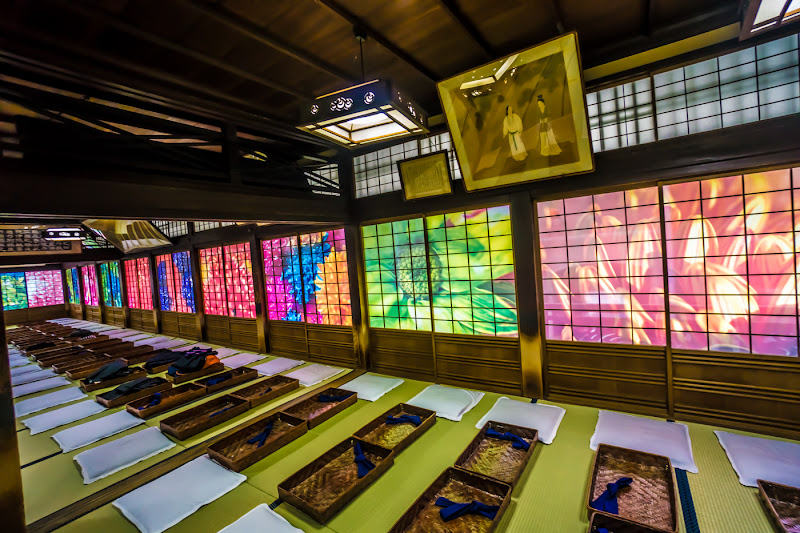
x=283 y=279
x=73 y=286
x=89 y=285
x=15 y=295
x=145 y=285
x=212 y=273
x=166 y=282
x=183 y=299
x=329 y=172
x=621 y=116
x=204 y=225
x=437 y=143
x=239 y=280
x=731 y=252
x=44 y=287
x=324 y=254
x=602 y=273
x=376 y=172
x=396 y=268
x=109 y=278
x=471 y=259
x=132 y=283
x=172 y=228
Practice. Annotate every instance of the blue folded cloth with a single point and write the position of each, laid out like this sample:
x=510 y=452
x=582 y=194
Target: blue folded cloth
x=364 y=464
x=156 y=400
x=261 y=438
x=608 y=500
x=221 y=411
x=451 y=510
x=263 y=393
x=218 y=379
x=325 y=398
x=602 y=530
x=518 y=441
x=411 y=419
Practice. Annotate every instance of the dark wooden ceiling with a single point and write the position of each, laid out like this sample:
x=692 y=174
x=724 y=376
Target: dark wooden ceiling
x=263 y=57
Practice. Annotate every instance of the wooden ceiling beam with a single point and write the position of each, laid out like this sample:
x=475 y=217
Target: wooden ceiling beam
x=93 y=13
x=463 y=21
x=649 y=19
x=379 y=38
x=558 y=15
x=253 y=31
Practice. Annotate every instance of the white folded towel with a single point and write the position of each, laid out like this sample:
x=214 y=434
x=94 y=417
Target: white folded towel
x=448 y=402
x=30 y=377
x=277 y=365
x=658 y=437
x=38 y=386
x=60 y=417
x=16 y=371
x=371 y=387
x=754 y=458
x=123 y=333
x=225 y=352
x=106 y=459
x=46 y=401
x=150 y=341
x=18 y=361
x=85 y=434
x=312 y=374
x=168 y=344
x=261 y=518
x=543 y=418
x=134 y=338
x=162 y=503
x=242 y=359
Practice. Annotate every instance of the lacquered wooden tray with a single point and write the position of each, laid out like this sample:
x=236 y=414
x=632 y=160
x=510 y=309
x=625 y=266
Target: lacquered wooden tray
x=232 y=377
x=136 y=374
x=396 y=437
x=136 y=355
x=323 y=487
x=617 y=525
x=79 y=361
x=170 y=399
x=783 y=505
x=495 y=458
x=650 y=500
x=122 y=400
x=458 y=486
x=316 y=412
x=86 y=370
x=267 y=389
x=198 y=419
x=235 y=453
x=183 y=378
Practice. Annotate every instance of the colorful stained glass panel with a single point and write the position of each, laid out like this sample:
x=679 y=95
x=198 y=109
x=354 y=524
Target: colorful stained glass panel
x=14 y=292
x=44 y=287
x=89 y=274
x=326 y=285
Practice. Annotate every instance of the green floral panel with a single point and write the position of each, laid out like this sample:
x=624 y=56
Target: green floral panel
x=397 y=275
x=472 y=272
x=15 y=295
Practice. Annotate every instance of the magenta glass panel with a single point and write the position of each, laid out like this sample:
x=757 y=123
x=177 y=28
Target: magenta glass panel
x=89 y=274
x=45 y=287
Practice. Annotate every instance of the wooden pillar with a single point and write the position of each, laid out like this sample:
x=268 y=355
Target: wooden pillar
x=11 y=506
x=65 y=290
x=530 y=336
x=123 y=291
x=199 y=302
x=81 y=294
x=257 y=260
x=151 y=263
x=99 y=289
x=358 y=299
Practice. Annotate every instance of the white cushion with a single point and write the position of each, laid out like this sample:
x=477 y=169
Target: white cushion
x=371 y=387
x=448 y=402
x=755 y=458
x=543 y=418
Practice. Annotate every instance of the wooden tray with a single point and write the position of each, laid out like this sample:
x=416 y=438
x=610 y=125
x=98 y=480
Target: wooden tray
x=97 y=339
x=134 y=395
x=324 y=486
x=87 y=369
x=136 y=355
x=783 y=505
x=81 y=361
x=236 y=454
x=396 y=437
x=88 y=387
x=119 y=347
x=617 y=525
x=235 y=377
x=268 y=389
x=495 y=458
x=172 y=398
x=107 y=344
x=46 y=354
x=57 y=359
x=457 y=486
x=183 y=378
x=196 y=420
x=316 y=412
x=651 y=498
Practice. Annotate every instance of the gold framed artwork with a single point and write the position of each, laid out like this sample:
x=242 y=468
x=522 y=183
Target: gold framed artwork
x=426 y=175
x=520 y=118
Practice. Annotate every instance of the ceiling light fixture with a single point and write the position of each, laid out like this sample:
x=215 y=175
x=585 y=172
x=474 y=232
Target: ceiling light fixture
x=370 y=112
x=63 y=234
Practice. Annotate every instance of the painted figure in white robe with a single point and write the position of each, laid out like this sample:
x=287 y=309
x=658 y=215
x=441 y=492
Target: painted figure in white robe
x=547 y=140
x=512 y=126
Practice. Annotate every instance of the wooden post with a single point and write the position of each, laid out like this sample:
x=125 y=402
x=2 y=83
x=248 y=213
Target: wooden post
x=358 y=298
x=99 y=290
x=11 y=506
x=257 y=260
x=530 y=338
x=151 y=263
x=123 y=291
x=199 y=301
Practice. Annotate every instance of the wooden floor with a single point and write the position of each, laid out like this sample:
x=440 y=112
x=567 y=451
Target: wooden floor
x=550 y=496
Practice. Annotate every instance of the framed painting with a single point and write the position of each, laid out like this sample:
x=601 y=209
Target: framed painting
x=520 y=118
x=425 y=175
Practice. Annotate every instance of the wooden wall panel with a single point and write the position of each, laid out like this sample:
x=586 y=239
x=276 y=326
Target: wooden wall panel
x=287 y=338
x=115 y=316
x=93 y=313
x=402 y=353
x=75 y=311
x=187 y=325
x=243 y=333
x=481 y=362
x=631 y=378
x=143 y=320
x=750 y=392
x=34 y=314
x=218 y=330
x=331 y=345
x=169 y=323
